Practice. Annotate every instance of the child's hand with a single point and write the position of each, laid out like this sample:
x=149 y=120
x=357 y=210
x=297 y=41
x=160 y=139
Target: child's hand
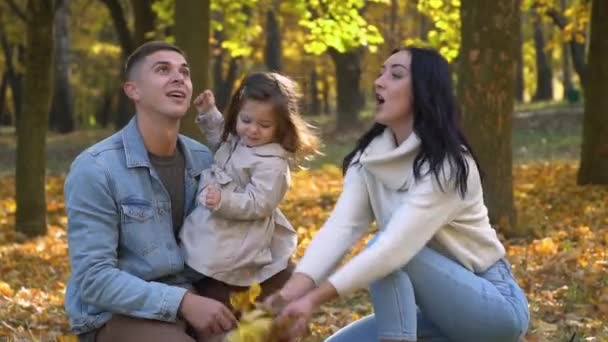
x=204 y=101
x=213 y=196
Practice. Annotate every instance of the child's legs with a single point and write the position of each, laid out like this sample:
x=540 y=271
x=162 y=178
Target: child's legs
x=215 y=289
x=466 y=306
x=276 y=282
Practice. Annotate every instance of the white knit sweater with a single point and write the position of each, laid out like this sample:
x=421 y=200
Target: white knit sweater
x=410 y=213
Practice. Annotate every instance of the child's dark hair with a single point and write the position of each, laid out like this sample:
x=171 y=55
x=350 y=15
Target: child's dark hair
x=293 y=133
x=436 y=120
x=146 y=50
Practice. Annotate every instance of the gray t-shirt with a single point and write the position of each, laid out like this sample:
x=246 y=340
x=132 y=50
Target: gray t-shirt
x=171 y=171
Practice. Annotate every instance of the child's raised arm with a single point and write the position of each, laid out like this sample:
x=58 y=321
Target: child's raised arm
x=209 y=119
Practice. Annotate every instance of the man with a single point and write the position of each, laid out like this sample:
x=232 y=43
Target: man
x=126 y=198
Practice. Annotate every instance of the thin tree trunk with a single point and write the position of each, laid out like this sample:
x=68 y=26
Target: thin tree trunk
x=273 y=49
x=315 y=105
x=32 y=128
x=348 y=76
x=594 y=150
x=393 y=35
x=486 y=81
x=144 y=21
x=194 y=16
x=566 y=68
x=14 y=78
x=5 y=118
x=325 y=95
x=577 y=50
x=125 y=109
x=519 y=71
x=544 y=74
x=62 y=109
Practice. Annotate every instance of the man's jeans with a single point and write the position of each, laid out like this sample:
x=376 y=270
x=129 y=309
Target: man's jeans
x=434 y=298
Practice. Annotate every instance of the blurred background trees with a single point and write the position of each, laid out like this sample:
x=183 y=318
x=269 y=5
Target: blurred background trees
x=524 y=54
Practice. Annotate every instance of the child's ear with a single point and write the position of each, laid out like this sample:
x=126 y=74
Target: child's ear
x=130 y=90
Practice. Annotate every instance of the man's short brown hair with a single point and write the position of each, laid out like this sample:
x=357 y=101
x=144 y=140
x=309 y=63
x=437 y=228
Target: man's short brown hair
x=145 y=50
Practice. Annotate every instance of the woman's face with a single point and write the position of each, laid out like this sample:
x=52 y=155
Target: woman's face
x=394 y=94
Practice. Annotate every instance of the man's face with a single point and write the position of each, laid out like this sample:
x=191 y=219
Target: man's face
x=161 y=84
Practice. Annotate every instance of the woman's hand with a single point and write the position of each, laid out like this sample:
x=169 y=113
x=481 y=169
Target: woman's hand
x=296 y=315
x=294 y=319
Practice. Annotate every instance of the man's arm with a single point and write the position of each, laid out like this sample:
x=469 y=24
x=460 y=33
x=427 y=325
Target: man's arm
x=93 y=233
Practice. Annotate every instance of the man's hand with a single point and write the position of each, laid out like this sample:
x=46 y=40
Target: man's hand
x=207 y=316
x=212 y=196
x=204 y=101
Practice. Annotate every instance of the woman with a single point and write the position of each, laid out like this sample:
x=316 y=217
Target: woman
x=436 y=269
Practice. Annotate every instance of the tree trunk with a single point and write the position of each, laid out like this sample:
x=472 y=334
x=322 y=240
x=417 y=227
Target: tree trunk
x=144 y=21
x=125 y=108
x=192 y=19
x=566 y=69
x=544 y=74
x=325 y=94
x=594 y=150
x=14 y=78
x=31 y=130
x=486 y=81
x=577 y=50
x=5 y=119
x=272 y=50
x=348 y=75
x=61 y=116
x=102 y=116
x=519 y=71
x=393 y=36
x=315 y=104
x=424 y=27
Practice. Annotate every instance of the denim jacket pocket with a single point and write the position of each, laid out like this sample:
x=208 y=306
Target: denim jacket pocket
x=138 y=211
x=138 y=216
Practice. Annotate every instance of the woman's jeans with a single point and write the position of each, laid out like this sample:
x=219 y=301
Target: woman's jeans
x=434 y=298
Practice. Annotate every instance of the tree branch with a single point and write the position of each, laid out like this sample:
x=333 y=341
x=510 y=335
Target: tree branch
x=120 y=23
x=17 y=10
x=558 y=18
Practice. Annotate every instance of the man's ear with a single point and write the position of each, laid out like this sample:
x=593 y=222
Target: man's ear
x=130 y=90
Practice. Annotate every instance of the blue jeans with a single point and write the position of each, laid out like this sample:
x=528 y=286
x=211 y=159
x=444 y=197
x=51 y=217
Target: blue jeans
x=434 y=298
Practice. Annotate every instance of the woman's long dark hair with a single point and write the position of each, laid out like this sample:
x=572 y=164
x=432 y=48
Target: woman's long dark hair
x=436 y=120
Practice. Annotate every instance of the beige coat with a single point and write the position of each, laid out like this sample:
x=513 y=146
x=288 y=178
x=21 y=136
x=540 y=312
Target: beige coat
x=246 y=239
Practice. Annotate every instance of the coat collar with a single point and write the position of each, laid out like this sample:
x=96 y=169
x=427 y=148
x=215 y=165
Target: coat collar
x=392 y=164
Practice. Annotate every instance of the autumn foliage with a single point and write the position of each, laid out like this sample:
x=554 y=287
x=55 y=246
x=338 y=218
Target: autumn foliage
x=563 y=267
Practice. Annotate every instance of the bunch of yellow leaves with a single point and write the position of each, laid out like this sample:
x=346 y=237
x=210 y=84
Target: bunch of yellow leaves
x=256 y=322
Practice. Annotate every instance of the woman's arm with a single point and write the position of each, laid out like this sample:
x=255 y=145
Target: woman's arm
x=351 y=217
x=425 y=210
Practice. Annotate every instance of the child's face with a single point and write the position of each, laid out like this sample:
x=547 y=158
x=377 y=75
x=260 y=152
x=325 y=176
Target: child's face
x=256 y=123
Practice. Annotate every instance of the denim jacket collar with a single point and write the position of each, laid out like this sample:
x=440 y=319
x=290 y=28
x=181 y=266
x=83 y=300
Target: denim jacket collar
x=137 y=155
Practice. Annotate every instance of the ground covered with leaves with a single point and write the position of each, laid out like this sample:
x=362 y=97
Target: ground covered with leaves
x=562 y=264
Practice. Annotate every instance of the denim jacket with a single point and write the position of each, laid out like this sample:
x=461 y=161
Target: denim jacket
x=122 y=248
